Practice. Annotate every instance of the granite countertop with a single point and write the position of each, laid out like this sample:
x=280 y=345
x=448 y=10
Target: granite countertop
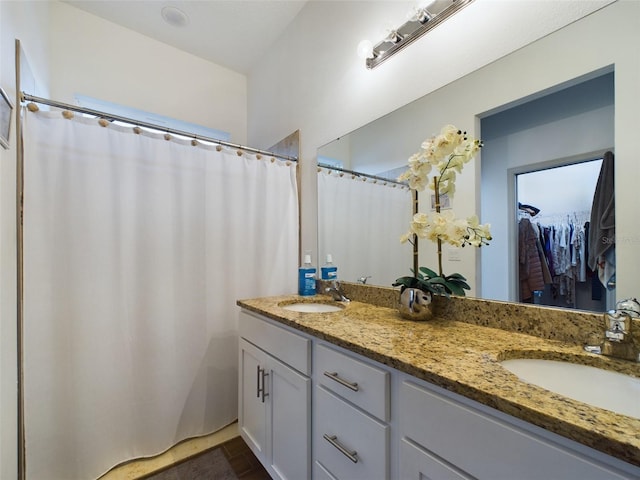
x=464 y=358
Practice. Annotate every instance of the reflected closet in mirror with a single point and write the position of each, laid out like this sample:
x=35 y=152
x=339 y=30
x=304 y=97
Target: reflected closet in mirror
x=572 y=124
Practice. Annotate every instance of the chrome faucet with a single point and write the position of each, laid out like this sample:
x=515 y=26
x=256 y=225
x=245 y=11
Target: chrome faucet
x=363 y=279
x=618 y=341
x=335 y=290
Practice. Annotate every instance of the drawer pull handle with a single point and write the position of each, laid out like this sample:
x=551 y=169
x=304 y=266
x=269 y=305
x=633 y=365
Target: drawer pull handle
x=341 y=381
x=350 y=454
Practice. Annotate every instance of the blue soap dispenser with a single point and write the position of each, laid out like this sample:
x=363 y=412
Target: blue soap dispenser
x=329 y=271
x=307 y=277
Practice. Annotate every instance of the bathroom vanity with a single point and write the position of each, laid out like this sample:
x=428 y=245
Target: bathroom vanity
x=360 y=393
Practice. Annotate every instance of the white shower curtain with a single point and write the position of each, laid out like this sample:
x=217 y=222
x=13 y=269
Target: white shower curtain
x=135 y=251
x=360 y=224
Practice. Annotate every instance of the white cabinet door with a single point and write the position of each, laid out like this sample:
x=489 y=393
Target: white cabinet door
x=274 y=414
x=290 y=422
x=252 y=408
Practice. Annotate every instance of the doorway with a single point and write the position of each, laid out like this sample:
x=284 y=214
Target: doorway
x=553 y=208
x=571 y=123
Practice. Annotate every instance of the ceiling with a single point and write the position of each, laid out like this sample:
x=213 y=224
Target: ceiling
x=231 y=33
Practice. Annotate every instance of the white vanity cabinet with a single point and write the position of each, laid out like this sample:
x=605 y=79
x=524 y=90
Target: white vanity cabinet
x=274 y=416
x=365 y=420
x=446 y=436
x=351 y=433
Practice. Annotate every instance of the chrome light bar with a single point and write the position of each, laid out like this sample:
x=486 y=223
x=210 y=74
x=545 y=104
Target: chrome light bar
x=423 y=21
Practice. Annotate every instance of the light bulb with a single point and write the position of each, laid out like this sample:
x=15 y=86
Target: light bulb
x=365 y=49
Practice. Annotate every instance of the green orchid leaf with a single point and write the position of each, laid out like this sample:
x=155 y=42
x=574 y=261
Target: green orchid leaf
x=444 y=292
x=455 y=289
x=428 y=280
x=406 y=282
x=428 y=272
x=459 y=283
x=455 y=276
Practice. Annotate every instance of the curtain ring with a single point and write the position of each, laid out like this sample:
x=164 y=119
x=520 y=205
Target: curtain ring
x=103 y=122
x=32 y=107
x=67 y=114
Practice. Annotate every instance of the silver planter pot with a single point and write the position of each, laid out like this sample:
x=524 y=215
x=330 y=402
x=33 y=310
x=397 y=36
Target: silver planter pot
x=415 y=304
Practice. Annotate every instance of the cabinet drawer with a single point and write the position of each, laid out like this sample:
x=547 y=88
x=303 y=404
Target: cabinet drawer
x=362 y=384
x=418 y=464
x=348 y=443
x=485 y=446
x=289 y=347
x=321 y=473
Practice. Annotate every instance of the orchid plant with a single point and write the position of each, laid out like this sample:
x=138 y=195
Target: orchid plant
x=445 y=155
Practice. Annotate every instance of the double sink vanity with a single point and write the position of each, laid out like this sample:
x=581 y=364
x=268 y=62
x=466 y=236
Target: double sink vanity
x=349 y=390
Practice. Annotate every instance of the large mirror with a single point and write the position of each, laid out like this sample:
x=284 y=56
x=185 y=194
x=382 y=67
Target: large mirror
x=525 y=129
x=362 y=211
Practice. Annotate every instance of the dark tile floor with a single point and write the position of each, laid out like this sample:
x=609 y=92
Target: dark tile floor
x=243 y=461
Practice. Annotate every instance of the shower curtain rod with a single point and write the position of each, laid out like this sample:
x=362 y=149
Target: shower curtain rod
x=25 y=97
x=360 y=174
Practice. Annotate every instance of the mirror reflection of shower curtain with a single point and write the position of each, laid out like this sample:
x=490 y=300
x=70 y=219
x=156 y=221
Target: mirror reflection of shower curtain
x=360 y=224
x=136 y=250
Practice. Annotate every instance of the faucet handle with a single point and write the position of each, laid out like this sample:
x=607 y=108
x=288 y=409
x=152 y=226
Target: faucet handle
x=618 y=325
x=630 y=307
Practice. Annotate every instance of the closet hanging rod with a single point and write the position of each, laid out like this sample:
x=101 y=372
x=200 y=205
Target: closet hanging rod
x=25 y=97
x=360 y=174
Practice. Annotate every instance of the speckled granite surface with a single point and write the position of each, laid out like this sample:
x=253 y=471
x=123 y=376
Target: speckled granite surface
x=463 y=356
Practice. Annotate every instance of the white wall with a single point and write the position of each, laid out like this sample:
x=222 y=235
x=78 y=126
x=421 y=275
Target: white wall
x=329 y=92
x=27 y=21
x=574 y=186
x=99 y=59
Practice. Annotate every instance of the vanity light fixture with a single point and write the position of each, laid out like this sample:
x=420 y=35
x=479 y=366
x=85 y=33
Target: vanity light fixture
x=423 y=20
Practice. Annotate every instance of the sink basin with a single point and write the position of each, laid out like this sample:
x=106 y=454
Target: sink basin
x=597 y=387
x=312 y=307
